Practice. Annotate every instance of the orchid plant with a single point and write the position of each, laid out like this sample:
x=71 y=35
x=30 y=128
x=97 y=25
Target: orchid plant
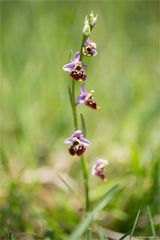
x=77 y=72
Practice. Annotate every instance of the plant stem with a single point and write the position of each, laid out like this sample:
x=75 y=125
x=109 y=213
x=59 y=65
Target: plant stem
x=83 y=159
x=75 y=119
x=84 y=38
x=74 y=106
x=85 y=180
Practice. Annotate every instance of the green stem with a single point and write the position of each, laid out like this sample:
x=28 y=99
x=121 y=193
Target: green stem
x=85 y=180
x=83 y=160
x=74 y=106
x=84 y=38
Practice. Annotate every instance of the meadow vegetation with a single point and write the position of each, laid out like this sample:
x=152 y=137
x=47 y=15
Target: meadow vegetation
x=41 y=184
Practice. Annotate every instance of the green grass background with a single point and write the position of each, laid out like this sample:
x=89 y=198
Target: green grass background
x=36 y=39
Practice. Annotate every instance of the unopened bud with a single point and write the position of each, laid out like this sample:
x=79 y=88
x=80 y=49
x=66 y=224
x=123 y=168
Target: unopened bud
x=92 y=19
x=86 y=28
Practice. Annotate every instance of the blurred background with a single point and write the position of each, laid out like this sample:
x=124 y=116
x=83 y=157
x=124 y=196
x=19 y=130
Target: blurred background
x=36 y=39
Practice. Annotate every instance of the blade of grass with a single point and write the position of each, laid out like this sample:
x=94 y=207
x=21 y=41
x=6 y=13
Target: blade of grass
x=124 y=236
x=69 y=187
x=82 y=227
x=151 y=222
x=88 y=235
x=118 y=235
x=135 y=223
x=101 y=233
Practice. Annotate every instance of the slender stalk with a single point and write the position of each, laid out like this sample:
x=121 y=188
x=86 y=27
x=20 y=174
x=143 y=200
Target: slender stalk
x=84 y=38
x=83 y=159
x=74 y=106
x=134 y=226
x=151 y=223
x=85 y=180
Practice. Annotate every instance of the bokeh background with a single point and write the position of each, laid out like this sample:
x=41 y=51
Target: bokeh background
x=36 y=39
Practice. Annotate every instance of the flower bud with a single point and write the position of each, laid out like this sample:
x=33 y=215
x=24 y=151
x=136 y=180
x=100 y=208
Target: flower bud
x=86 y=28
x=92 y=19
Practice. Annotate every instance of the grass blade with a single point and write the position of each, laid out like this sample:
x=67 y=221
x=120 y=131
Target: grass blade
x=101 y=233
x=151 y=222
x=135 y=223
x=82 y=227
x=124 y=236
x=69 y=186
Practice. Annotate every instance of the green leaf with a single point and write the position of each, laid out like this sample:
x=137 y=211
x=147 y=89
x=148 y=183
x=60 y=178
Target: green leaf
x=135 y=160
x=10 y=236
x=135 y=223
x=151 y=222
x=83 y=125
x=49 y=234
x=82 y=227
